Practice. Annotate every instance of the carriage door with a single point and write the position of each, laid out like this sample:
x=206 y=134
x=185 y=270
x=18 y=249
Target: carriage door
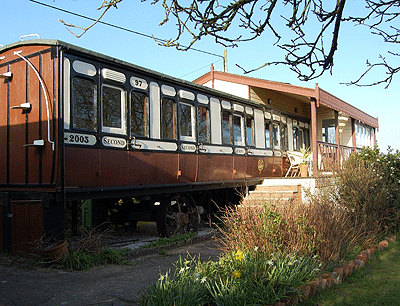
x=188 y=158
x=30 y=122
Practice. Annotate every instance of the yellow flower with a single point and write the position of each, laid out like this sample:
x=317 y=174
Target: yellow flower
x=236 y=274
x=239 y=255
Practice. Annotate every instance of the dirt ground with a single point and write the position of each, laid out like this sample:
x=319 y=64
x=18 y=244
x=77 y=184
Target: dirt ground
x=106 y=285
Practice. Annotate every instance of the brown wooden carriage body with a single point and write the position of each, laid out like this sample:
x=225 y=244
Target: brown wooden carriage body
x=50 y=154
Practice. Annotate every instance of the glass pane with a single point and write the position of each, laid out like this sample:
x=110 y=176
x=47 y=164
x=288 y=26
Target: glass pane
x=84 y=101
x=284 y=138
x=226 y=128
x=168 y=119
x=112 y=107
x=276 y=136
x=250 y=131
x=185 y=120
x=237 y=129
x=139 y=114
x=307 y=138
x=267 y=135
x=204 y=124
x=302 y=143
x=296 y=139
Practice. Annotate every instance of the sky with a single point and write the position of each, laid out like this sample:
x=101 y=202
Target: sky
x=356 y=46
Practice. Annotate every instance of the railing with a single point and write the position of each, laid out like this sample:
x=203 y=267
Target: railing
x=331 y=156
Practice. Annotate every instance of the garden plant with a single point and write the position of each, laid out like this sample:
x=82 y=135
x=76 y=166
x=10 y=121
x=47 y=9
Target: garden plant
x=272 y=249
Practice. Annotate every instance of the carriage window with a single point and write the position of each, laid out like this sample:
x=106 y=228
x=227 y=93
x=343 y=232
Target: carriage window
x=226 y=128
x=268 y=134
x=296 y=139
x=284 y=138
x=203 y=119
x=139 y=114
x=186 y=121
x=113 y=109
x=306 y=138
x=250 y=131
x=168 y=119
x=84 y=101
x=276 y=136
x=237 y=130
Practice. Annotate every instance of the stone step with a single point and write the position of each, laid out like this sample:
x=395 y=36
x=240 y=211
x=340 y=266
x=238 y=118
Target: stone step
x=277 y=188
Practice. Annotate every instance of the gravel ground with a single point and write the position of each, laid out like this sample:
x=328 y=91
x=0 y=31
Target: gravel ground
x=106 y=285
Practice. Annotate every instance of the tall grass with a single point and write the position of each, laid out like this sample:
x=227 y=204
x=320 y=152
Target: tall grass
x=350 y=208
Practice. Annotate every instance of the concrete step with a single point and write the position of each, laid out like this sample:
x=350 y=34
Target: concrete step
x=264 y=194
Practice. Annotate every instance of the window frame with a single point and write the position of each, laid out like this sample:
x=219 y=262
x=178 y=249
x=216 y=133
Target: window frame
x=146 y=113
x=191 y=138
x=115 y=130
x=95 y=105
x=271 y=134
x=224 y=111
x=253 y=132
x=242 y=141
x=174 y=119
x=276 y=142
x=207 y=125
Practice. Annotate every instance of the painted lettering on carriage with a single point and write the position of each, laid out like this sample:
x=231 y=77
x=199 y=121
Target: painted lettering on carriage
x=79 y=139
x=188 y=147
x=240 y=151
x=139 y=83
x=113 y=142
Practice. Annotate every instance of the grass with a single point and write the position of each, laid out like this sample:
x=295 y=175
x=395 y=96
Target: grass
x=377 y=283
x=170 y=240
x=84 y=261
x=239 y=278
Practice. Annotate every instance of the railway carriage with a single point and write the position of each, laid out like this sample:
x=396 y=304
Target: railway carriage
x=77 y=125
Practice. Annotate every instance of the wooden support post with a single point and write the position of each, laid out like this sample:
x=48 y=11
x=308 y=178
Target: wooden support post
x=353 y=134
x=314 y=131
x=337 y=139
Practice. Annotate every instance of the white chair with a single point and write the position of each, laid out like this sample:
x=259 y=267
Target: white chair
x=295 y=159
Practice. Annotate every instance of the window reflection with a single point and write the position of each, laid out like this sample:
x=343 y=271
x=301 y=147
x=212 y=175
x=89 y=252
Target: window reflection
x=168 y=119
x=185 y=120
x=84 y=104
x=237 y=130
x=139 y=114
x=226 y=128
x=204 y=124
x=112 y=107
x=250 y=131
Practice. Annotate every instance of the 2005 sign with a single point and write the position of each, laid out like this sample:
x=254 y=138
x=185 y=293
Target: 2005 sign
x=80 y=139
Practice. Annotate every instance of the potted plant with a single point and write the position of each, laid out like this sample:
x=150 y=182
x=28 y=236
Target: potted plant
x=304 y=164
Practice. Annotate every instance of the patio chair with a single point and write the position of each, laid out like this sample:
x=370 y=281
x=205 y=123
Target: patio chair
x=295 y=159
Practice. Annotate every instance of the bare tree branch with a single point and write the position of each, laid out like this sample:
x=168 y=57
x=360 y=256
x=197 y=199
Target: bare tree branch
x=106 y=5
x=310 y=24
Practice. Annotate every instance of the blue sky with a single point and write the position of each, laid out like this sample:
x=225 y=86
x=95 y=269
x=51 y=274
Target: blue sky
x=21 y=17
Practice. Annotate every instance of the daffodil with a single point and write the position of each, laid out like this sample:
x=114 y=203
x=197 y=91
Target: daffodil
x=183 y=269
x=236 y=274
x=239 y=255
